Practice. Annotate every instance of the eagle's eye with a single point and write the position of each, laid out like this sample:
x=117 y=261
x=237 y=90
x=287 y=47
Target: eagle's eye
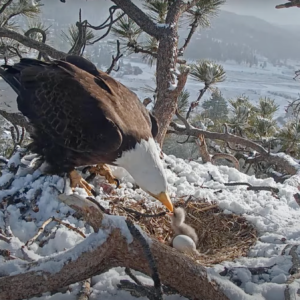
x=119 y=155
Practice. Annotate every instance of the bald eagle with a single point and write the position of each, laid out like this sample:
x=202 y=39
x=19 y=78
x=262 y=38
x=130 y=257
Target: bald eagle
x=82 y=116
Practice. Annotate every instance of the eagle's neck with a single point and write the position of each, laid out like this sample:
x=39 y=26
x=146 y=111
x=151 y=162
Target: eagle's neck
x=145 y=166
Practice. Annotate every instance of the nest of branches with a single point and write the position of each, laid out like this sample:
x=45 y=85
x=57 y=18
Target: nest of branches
x=222 y=237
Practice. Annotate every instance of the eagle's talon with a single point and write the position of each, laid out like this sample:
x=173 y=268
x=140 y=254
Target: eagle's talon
x=78 y=181
x=104 y=170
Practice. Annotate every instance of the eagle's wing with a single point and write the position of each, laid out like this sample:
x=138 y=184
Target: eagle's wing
x=110 y=85
x=62 y=103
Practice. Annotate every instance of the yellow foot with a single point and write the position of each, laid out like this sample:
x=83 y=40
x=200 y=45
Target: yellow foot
x=104 y=170
x=78 y=181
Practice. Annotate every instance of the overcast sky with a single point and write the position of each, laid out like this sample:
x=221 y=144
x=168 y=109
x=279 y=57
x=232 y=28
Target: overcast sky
x=265 y=9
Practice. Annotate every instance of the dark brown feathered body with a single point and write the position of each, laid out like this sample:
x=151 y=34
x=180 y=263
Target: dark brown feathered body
x=80 y=115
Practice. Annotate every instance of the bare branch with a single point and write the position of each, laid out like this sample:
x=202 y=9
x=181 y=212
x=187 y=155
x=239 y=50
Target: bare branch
x=28 y=42
x=196 y=103
x=79 y=44
x=44 y=37
x=292 y=3
x=115 y=58
x=254 y=188
x=194 y=26
x=5 y=5
x=108 y=23
x=284 y=161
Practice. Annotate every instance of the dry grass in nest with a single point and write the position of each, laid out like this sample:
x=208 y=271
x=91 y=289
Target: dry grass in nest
x=222 y=237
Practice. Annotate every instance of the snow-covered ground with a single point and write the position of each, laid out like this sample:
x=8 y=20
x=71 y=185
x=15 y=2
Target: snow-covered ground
x=275 y=217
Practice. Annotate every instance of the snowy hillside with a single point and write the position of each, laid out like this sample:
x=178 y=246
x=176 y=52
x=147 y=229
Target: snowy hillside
x=255 y=82
x=28 y=200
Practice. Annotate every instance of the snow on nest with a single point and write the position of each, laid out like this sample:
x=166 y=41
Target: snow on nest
x=276 y=219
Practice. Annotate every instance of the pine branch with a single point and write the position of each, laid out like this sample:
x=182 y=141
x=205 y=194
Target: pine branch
x=138 y=49
x=194 y=26
x=140 y=18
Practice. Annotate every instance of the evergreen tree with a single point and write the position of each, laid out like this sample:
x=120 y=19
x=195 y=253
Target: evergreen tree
x=241 y=109
x=216 y=107
x=262 y=120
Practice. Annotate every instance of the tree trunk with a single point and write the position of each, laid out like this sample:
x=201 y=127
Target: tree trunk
x=166 y=102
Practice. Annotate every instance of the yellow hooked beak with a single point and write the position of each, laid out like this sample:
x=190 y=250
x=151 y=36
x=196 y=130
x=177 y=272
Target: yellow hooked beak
x=164 y=198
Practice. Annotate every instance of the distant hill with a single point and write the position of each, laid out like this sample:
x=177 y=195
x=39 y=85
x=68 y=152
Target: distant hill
x=245 y=33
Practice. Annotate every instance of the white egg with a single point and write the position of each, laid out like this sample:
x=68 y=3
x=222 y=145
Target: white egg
x=184 y=243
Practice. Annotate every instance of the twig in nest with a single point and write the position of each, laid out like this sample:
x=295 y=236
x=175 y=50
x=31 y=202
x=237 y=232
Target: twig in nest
x=157 y=294
x=143 y=290
x=5 y=253
x=141 y=215
x=253 y=271
x=25 y=255
x=132 y=276
x=85 y=291
x=284 y=249
x=7 y=184
x=3 y=160
x=254 y=188
x=41 y=229
x=46 y=239
x=48 y=221
x=287 y=295
x=4 y=238
x=69 y=226
x=296 y=261
x=207 y=208
x=7 y=229
x=106 y=211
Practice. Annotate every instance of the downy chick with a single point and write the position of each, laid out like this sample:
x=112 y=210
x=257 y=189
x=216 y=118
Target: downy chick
x=185 y=237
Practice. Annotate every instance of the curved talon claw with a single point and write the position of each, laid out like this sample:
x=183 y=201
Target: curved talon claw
x=117 y=183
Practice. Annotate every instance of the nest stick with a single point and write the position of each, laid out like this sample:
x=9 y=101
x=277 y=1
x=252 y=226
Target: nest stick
x=48 y=221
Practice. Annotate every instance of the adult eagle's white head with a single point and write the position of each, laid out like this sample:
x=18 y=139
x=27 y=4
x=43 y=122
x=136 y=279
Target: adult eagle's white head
x=145 y=166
